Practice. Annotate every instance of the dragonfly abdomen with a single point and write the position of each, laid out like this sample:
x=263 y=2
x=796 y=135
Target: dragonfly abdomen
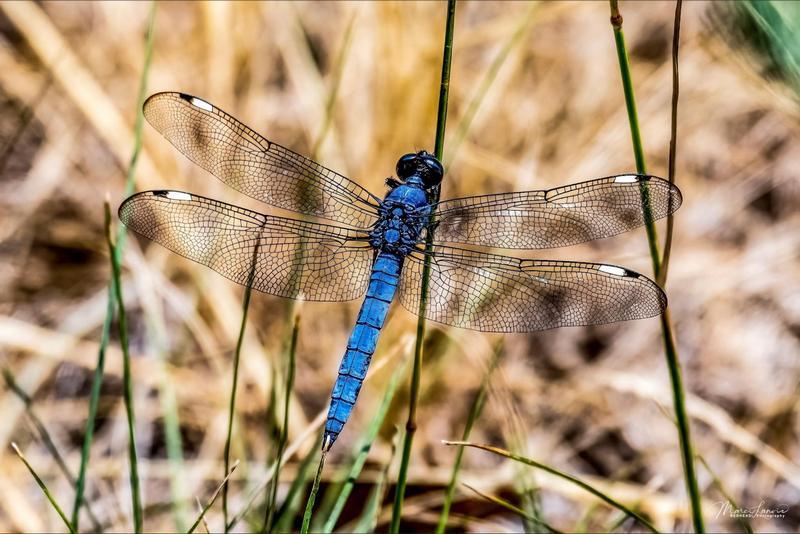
x=361 y=345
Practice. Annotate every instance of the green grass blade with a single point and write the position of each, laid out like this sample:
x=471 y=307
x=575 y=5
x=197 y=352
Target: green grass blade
x=287 y=512
x=307 y=433
x=717 y=483
x=203 y=519
x=553 y=471
x=235 y=380
x=200 y=518
x=508 y=506
x=312 y=497
x=127 y=378
x=44 y=489
x=47 y=439
x=474 y=412
x=670 y=349
x=97 y=379
x=768 y=32
x=285 y=426
x=232 y=400
x=411 y=425
x=369 y=515
x=363 y=449
x=174 y=446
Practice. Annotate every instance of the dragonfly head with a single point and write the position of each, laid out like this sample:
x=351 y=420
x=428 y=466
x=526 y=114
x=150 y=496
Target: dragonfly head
x=422 y=168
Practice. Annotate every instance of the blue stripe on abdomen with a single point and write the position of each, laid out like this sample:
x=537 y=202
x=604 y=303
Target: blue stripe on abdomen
x=362 y=343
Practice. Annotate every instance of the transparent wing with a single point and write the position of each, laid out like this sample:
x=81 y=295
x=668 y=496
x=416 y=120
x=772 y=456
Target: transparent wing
x=494 y=293
x=257 y=167
x=282 y=257
x=555 y=217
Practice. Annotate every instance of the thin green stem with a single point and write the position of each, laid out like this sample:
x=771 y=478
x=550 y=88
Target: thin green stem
x=312 y=497
x=286 y=513
x=235 y=380
x=474 y=411
x=44 y=489
x=553 y=471
x=285 y=427
x=46 y=438
x=636 y=135
x=127 y=378
x=369 y=514
x=411 y=424
x=200 y=518
x=670 y=349
x=97 y=379
x=444 y=85
x=508 y=506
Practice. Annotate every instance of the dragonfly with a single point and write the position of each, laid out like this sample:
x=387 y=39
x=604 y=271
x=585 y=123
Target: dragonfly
x=347 y=242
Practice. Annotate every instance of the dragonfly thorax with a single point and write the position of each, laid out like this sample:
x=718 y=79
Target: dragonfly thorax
x=401 y=220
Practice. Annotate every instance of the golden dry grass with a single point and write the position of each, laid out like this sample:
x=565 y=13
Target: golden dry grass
x=591 y=401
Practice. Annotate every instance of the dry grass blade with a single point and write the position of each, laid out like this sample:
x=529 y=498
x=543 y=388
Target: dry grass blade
x=465 y=124
x=673 y=141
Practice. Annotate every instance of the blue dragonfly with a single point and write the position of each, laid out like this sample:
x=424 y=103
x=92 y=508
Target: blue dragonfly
x=358 y=242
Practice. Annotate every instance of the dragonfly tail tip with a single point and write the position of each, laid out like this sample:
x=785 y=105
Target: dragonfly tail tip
x=327 y=441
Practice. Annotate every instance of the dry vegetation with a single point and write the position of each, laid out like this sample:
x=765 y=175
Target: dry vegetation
x=591 y=401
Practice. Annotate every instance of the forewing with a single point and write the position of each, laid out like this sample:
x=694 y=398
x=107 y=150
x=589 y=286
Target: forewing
x=283 y=257
x=257 y=167
x=494 y=293
x=555 y=217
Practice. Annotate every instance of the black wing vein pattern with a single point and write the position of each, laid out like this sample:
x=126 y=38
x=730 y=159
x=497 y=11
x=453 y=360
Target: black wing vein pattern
x=279 y=256
x=255 y=166
x=556 y=217
x=495 y=293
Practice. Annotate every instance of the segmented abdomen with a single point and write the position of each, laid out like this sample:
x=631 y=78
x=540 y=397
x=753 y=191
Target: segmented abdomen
x=362 y=343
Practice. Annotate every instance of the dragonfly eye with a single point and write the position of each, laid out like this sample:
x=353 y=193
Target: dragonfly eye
x=406 y=166
x=432 y=170
x=424 y=165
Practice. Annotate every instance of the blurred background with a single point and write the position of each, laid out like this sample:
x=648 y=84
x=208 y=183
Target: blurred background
x=536 y=101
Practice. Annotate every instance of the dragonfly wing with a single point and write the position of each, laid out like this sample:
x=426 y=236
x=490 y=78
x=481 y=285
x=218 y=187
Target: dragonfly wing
x=283 y=257
x=257 y=167
x=556 y=217
x=494 y=293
